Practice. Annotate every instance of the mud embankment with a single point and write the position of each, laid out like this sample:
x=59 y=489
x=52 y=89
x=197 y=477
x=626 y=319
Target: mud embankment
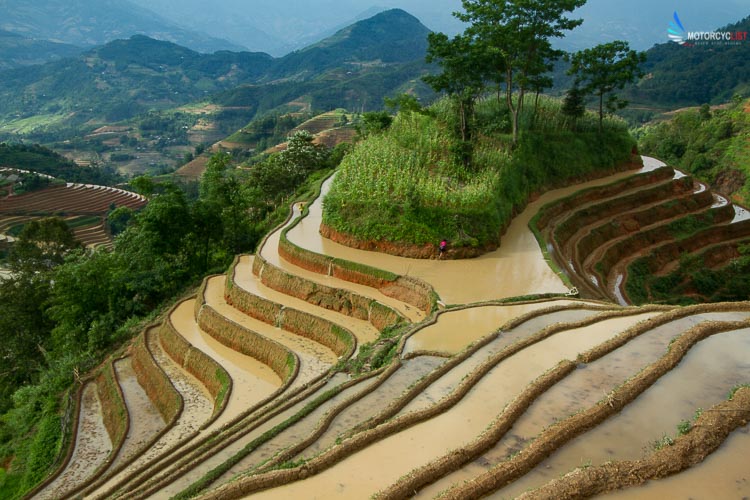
x=562 y=432
x=114 y=412
x=281 y=360
x=211 y=374
x=632 y=222
x=609 y=208
x=340 y=340
x=558 y=208
x=660 y=257
x=154 y=381
x=342 y=301
x=637 y=243
x=410 y=290
x=707 y=434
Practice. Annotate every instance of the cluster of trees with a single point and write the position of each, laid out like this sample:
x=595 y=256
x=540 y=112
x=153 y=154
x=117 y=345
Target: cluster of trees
x=710 y=144
x=63 y=307
x=42 y=160
x=507 y=46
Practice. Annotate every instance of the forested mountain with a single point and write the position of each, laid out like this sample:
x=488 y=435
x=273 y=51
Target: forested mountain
x=392 y=36
x=679 y=75
x=87 y=23
x=358 y=65
x=124 y=78
x=17 y=50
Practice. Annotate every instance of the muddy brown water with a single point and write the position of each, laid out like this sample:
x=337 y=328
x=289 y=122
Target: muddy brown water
x=723 y=474
x=355 y=476
x=411 y=371
x=363 y=330
x=703 y=378
x=92 y=447
x=456 y=330
x=198 y=407
x=252 y=380
x=239 y=443
x=448 y=382
x=145 y=420
x=578 y=391
x=516 y=268
x=296 y=433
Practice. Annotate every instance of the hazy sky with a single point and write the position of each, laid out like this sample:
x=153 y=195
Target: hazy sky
x=277 y=26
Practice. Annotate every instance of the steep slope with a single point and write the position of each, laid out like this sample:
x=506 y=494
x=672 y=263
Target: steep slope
x=472 y=399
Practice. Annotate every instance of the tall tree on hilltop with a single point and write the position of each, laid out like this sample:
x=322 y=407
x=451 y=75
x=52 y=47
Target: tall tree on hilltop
x=515 y=35
x=462 y=79
x=602 y=69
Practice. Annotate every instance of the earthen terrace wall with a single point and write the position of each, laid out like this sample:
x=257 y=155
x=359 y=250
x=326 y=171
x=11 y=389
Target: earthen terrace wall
x=154 y=381
x=338 y=339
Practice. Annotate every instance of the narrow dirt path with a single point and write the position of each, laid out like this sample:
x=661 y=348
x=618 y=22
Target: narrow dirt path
x=92 y=447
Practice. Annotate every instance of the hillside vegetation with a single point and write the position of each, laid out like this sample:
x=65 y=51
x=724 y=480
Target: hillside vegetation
x=409 y=187
x=711 y=144
x=679 y=75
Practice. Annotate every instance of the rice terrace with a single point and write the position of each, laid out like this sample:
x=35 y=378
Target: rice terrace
x=310 y=362
x=444 y=284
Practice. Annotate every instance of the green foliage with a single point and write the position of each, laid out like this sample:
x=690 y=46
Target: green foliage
x=42 y=244
x=692 y=281
x=711 y=145
x=573 y=105
x=710 y=73
x=684 y=427
x=513 y=37
x=268 y=130
x=605 y=68
x=45 y=161
x=58 y=320
x=374 y=122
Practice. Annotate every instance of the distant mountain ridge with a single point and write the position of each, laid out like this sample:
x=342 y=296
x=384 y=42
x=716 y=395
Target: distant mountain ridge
x=359 y=64
x=17 y=51
x=88 y=23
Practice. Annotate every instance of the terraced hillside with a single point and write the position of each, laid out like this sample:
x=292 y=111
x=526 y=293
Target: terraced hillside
x=83 y=206
x=330 y=129
x=312 y=370
x=630 y=241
